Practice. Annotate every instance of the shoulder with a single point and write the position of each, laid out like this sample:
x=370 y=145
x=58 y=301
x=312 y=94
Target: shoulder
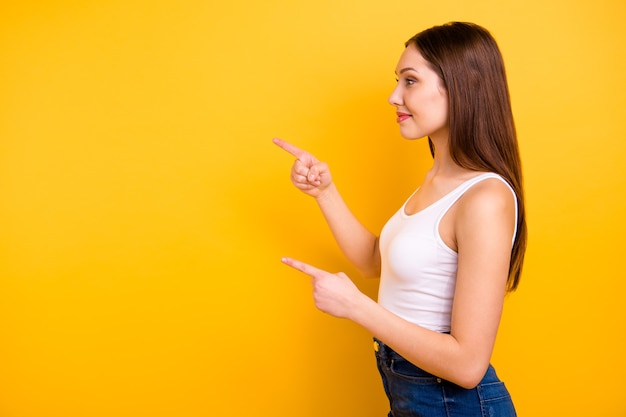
x=488 y=202
x=489 y=193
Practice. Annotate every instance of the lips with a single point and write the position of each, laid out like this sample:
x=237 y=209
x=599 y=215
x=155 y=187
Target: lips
x=402 y=117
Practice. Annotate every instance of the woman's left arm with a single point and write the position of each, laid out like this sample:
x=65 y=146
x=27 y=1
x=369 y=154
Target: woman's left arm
x=484 y=227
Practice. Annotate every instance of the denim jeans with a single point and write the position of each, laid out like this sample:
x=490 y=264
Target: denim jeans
x=413 y=392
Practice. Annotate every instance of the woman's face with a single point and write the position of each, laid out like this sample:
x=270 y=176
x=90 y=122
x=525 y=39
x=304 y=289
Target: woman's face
x=420 y=99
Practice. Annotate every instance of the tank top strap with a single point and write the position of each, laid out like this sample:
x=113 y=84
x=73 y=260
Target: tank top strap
x=452 y=197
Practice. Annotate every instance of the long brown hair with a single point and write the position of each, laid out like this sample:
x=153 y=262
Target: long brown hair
x=482 y=131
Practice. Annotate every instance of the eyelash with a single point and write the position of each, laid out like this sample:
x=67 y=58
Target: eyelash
x=407 y=81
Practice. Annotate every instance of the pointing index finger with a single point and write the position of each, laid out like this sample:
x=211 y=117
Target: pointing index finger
x=301 y=266
x=294 y=150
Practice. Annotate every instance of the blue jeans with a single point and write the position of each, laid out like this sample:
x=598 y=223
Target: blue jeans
x=413 y=392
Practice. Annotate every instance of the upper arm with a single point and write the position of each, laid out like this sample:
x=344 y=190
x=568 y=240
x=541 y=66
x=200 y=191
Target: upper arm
x=484 y=228
x=376 y=261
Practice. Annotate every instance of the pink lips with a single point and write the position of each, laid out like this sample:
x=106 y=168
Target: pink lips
x=402 y=117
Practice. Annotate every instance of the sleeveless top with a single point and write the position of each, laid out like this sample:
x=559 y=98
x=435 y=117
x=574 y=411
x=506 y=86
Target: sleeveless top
x=418 y=270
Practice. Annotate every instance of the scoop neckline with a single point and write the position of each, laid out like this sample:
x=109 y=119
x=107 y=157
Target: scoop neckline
x=434 y=203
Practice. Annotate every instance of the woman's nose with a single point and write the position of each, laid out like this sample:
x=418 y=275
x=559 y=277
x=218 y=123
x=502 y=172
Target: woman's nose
x=395 y=99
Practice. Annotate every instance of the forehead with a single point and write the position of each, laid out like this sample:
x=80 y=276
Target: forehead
x=412 y=59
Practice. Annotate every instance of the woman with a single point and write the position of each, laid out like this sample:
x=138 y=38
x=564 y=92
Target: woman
x=452 y=251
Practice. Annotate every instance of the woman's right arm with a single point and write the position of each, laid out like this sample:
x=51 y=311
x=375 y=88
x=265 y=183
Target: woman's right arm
x=313 y=178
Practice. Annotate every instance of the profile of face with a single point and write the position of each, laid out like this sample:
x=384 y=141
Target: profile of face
x=420 y=98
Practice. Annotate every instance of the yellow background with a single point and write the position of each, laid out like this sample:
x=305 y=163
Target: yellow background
x=144 y=209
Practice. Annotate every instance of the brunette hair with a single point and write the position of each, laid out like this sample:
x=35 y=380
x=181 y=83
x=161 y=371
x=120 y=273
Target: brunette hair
x=482 y=131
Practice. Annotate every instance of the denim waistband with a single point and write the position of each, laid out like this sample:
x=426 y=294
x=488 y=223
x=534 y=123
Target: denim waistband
x=388 y=358
x=384 y=352
x=388 y=355
x=381 y=347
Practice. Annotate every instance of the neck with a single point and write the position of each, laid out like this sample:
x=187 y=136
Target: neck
x=444 y=166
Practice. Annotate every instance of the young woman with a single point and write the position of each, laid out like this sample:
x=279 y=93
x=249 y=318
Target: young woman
x=452 y=251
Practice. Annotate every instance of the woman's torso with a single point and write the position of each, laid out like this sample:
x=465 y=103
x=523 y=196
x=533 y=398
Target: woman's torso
x=418 y=265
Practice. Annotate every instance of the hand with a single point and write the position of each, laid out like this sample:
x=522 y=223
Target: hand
x=308 y=174
x=334 y=294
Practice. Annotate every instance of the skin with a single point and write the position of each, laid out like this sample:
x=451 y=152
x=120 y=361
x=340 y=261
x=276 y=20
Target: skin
x=479 y=226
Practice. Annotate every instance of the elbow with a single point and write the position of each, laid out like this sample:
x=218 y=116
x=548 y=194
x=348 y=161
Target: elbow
x=471 y=376
x=371 y=269
x=371 y=272
x=371 y=265
x=469 y=383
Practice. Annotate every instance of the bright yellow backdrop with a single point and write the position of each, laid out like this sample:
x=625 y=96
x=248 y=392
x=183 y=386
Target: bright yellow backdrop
x=144 y=209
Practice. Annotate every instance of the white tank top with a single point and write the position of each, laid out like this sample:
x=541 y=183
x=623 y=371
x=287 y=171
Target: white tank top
x=418 y=270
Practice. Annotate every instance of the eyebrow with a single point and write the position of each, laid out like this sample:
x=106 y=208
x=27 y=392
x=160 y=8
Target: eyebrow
x=403 y=70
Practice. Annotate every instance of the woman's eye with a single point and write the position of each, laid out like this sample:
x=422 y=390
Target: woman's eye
x=406 y=81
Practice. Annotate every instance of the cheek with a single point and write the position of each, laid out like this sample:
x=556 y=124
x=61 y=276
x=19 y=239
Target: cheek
x=441 y=104
x=444 y=109
x=443 y=94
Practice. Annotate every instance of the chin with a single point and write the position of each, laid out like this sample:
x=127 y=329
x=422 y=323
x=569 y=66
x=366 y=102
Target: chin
x=412 y=134
x=413 y=137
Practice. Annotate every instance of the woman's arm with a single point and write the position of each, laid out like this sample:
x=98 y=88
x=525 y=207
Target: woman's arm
x=357 y=243
x=484 y=227
x=313 y=178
